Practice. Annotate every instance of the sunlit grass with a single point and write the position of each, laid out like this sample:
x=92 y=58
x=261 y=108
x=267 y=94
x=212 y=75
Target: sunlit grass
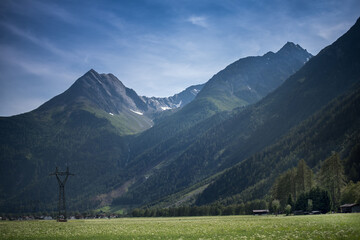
x=336 y=226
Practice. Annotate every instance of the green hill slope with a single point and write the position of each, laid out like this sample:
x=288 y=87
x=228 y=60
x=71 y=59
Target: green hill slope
x=241 y=83
x=331 y=73
x=73 y=129
x=335 y=128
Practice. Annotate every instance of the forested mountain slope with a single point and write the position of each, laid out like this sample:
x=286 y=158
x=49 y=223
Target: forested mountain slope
x=334 y=128
x=333 y=72
x=84 y=128
x=242 y=82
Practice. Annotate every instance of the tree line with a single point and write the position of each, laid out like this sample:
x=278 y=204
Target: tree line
x=215 y=209
x=298 y=189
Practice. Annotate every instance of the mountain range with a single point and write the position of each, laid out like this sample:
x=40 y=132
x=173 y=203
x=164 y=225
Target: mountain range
x=230 y=136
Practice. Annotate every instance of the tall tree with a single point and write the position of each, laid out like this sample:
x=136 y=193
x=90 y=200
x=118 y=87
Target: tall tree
x=332 y=178
x=283 y=186
x=293 y=182
x=304 y=178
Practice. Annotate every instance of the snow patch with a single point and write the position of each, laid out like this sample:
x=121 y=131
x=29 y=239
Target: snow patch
x=195 y=91
x=165 y=108
x=111 y=114
x=179 y=104
x=137 y=112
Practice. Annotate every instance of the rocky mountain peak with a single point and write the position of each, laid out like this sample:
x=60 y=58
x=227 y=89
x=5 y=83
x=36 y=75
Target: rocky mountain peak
x=292 y=48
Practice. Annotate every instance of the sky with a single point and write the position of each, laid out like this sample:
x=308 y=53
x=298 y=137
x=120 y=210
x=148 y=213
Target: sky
x=156 y=47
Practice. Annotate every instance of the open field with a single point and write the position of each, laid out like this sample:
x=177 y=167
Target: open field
x=335 y=226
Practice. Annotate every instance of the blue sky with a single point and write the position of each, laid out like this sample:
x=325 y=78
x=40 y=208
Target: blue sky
x=156 y=47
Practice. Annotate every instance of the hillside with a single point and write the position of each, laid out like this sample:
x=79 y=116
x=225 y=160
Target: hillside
x=241 y=83
x=330 y=74
x=102 y=95
x=249 y=79
x=334 y=128
x=335 y=70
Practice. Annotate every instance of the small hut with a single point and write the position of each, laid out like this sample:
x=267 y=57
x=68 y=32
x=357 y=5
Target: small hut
x=261 y=212
x=350 y=208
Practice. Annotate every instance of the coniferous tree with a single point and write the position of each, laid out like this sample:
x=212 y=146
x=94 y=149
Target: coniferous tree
x=304 y=178
x=332 y=178
x=283 y=186
x=301 y=202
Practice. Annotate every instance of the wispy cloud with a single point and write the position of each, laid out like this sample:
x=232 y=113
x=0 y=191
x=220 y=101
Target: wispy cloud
x=200 y=21
x=330 y=32
x=47 y=73
x=40 y=42
x=41 y=8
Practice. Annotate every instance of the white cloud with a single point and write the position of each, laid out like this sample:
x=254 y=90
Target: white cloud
x=198 y=21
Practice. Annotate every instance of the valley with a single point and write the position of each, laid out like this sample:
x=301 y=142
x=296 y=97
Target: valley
x=229 y=138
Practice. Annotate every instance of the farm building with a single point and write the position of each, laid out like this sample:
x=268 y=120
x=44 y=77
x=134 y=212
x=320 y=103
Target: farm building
x=261 y=212
x=350 y=208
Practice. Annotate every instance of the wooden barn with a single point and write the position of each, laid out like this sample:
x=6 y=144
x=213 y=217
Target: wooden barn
x=350 y=208
x=261 y=212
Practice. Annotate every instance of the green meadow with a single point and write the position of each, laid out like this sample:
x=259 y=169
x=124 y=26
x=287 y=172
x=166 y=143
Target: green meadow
x=330 y=226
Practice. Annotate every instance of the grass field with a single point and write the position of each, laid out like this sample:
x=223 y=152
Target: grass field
x=335 y=226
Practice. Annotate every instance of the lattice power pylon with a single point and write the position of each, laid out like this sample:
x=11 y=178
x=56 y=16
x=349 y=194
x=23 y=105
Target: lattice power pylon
x=62 y=203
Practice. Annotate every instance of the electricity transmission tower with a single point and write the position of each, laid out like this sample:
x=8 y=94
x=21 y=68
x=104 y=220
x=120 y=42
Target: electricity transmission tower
x=61 y=181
